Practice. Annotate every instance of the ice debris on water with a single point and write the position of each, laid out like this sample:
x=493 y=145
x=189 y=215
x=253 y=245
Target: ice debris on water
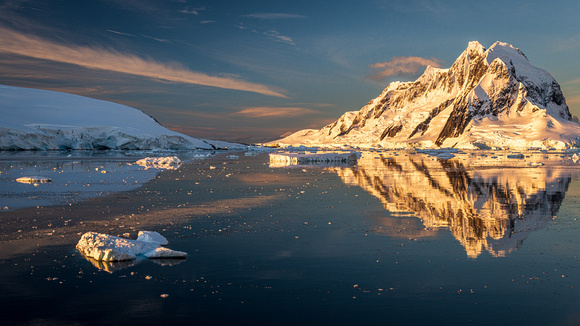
x=160 y=162
x=233 y=157
x=104 y=247
x=34 y=179
x=297 y=158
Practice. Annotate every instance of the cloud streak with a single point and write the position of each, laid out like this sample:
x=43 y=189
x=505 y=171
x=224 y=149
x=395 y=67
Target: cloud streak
x=14 y=42
x=400 y=66
x=275 y=16
x=274 y=112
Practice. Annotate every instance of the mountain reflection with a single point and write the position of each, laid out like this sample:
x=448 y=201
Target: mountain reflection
x=490 y=209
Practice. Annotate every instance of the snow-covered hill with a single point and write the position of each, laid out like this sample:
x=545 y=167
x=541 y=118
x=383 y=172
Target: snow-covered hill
x=32 y=119
x=488 y=98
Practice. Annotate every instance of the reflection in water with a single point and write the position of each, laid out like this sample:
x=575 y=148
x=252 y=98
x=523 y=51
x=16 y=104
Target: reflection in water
x=111 y=266
x=114 y=266
x=485 y=209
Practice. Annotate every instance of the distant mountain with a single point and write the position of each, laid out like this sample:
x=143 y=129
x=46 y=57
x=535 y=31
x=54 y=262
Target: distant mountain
x=488 y=98
x=33 y=119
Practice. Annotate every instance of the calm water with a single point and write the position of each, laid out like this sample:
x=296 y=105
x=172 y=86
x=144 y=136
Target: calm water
x=399 y=238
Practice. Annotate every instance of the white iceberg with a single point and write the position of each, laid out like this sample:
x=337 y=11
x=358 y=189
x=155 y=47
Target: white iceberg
x=104 y=247
x=169 y=162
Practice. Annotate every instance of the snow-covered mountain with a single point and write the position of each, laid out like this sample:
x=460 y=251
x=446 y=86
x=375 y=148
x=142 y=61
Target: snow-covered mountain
x=488 y=98
x=32 y=119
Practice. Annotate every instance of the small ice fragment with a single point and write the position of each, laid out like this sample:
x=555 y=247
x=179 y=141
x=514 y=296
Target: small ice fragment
x=169 y=162
x=152 y=236
x=34 y=179
x=233 y=157
x=162 y=252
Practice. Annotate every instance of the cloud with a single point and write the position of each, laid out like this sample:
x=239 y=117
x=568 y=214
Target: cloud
x=280 y=38
x=274 y=16
x=401 y=66
x=271 y=34
x=98 y=58
x=274 y=112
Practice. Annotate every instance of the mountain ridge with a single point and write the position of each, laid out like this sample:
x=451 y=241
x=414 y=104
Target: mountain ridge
x=488 y=98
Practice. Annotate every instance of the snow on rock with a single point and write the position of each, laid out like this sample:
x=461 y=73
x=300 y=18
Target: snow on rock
x=285 y=159
x=35 y=179
x=160 y=162
x=153 y=237
x=488 y=99
x=35 y=119
x=104 y=247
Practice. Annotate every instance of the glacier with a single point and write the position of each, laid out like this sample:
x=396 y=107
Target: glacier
x=34 y=119
x=488 y=99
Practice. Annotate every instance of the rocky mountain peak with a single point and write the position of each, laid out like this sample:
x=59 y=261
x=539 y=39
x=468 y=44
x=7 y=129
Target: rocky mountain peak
x=488 y=98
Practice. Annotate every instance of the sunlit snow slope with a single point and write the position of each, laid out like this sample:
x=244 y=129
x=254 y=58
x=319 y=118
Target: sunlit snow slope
x=32 y=119
x=488 y=98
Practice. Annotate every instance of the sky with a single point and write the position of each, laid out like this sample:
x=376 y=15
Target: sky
x=252 y=71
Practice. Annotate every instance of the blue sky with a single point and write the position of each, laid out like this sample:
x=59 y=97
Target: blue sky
x=253 y=70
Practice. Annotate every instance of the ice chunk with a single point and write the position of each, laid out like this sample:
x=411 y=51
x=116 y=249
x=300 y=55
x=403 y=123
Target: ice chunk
x=35 y=179
x=162 y=252
x=169 y=162
x=104 y=247
x=152 y=236
x=233 y=157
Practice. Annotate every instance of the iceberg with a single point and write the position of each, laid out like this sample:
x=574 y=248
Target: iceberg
x=169 y=162
x=104 y=247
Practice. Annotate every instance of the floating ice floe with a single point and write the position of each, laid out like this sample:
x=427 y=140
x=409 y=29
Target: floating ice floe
x=35 y=179
x=153 y=237
x=169 y=162
x=104 y=247
x=233 y=157
x=285 y=159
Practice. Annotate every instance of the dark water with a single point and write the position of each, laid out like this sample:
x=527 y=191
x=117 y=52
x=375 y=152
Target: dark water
x=398 y=239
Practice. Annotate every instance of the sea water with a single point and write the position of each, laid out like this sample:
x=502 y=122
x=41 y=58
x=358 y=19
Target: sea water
x=395 y=238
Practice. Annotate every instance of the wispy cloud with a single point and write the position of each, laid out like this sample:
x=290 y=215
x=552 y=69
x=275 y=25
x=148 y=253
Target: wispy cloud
x=272 y=34
x=14 y=42
x=274 y=112
x=275 y=15
x=280 y=38
x=400 y=66
x=192 y=11
x=119 y=33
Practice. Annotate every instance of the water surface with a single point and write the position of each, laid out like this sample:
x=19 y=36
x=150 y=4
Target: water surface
x=398 y=238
